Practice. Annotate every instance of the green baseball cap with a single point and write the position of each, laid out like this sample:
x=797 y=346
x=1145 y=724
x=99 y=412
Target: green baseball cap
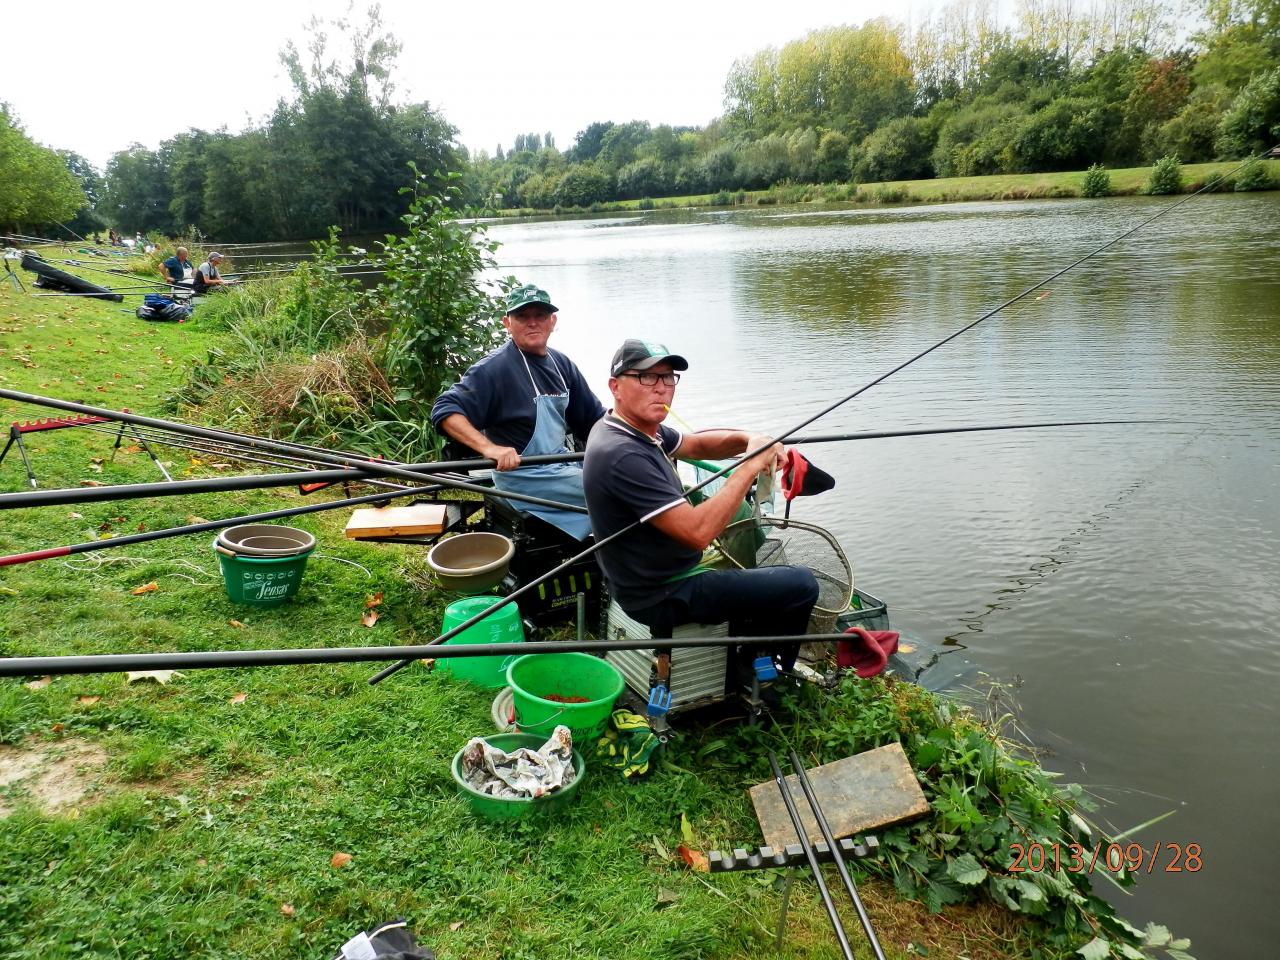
x=527 y=294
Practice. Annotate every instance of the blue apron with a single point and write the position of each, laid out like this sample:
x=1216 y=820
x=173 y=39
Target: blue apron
x=551 y=481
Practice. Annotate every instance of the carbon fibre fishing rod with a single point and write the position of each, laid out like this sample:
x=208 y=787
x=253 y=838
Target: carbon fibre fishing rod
x=841 y=867
x=132 y=538
x=179 y=488
x=225 y=451
x=747 y=455
x=811 y=855
x=225 y=659
x=444 y=471
x=356 y=467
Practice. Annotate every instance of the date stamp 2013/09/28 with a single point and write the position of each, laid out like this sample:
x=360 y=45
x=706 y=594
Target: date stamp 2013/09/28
x=1112 y=857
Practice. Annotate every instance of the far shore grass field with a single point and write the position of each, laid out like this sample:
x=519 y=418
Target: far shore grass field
x=1014 y=186
x=254 y=814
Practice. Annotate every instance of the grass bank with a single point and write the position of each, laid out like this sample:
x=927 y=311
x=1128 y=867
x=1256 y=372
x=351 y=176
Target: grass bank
x=274 y=812
x=1126 y=181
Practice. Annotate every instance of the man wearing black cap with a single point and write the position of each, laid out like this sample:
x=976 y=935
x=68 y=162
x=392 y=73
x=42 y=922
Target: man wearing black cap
x=654 y=570
x=523 y=399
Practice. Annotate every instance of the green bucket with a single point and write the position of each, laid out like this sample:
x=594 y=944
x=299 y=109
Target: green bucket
x=261 y=581
x=501 y=626
x=497 y=808
x=538 y=680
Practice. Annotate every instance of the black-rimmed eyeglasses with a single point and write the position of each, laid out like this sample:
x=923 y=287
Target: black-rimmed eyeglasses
x=650 y=379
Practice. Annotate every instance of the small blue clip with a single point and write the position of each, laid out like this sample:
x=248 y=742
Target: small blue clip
x=659 y=700
x=765 y=670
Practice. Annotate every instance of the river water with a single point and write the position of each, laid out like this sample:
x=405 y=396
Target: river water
x=1125 y=580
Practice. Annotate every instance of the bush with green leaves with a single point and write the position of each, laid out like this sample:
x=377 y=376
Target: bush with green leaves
x=1097 y=182
x=442 y=315
x=1254 y=177
x=1166 y=177
x=987 y=798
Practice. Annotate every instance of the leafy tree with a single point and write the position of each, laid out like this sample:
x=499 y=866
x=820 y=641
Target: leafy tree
x=833 y=152
x=1253 y=121
x=899 y=150
x=138 y=192
x=1067 y=134
x=971 y=141
x=86 y=219
x=1191 y=132
x=588 y=143
x=38 y=186
x=582 y=185
x=643 y=178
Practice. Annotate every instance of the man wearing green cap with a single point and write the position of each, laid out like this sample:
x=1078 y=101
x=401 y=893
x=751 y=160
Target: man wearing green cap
x=524 y=399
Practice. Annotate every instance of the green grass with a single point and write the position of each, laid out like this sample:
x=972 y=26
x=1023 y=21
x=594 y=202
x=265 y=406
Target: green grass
x=212 y=827
x=1013 y=186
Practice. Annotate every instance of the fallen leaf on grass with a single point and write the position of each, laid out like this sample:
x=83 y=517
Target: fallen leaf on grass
x=87 y=701
x=455 y=926
x=339 y=860
x=237 y=624
x=151 y=587
x=375 y=600
x=192 y=518
x=286 y=909
x=58 y=727
x=142 y=526
x=159 y=676
x=238 y=699
x=696 y=859
x=91 y=483
x=95 y=466
x=75 y=516
x=666 y=897
x=370 y=618
x=132 y=448
x=38 y=684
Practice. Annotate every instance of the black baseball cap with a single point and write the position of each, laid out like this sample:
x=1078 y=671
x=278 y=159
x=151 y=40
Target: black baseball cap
x=643 y=354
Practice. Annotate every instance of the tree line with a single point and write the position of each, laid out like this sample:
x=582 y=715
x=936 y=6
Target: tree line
x=958 y=94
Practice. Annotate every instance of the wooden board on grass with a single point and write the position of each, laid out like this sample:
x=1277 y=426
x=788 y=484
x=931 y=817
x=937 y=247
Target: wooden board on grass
x=858 y=794
x=396 y=521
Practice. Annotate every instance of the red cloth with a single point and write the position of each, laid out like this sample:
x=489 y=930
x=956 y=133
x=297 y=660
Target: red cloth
x=867 y=651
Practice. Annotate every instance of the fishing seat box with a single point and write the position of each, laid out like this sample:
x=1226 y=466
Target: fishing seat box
x=698 y=674
x=541 y=546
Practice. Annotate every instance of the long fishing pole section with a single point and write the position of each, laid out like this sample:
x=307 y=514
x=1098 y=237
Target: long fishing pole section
x=228 y=659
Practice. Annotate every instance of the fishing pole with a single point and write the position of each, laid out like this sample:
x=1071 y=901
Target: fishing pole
x=886 y=434
x=224 y=659
x=811 y=855
x=747 y=455
x=440 y=469
x=361 y=466
x=182 y=488
x=224 y=451
x=836 y=854
x=132 y=538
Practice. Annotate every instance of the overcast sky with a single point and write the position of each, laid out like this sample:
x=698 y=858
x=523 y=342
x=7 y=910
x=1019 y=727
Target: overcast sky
x=96 y=76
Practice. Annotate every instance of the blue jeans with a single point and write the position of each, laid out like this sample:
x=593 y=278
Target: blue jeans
x=766 y=601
